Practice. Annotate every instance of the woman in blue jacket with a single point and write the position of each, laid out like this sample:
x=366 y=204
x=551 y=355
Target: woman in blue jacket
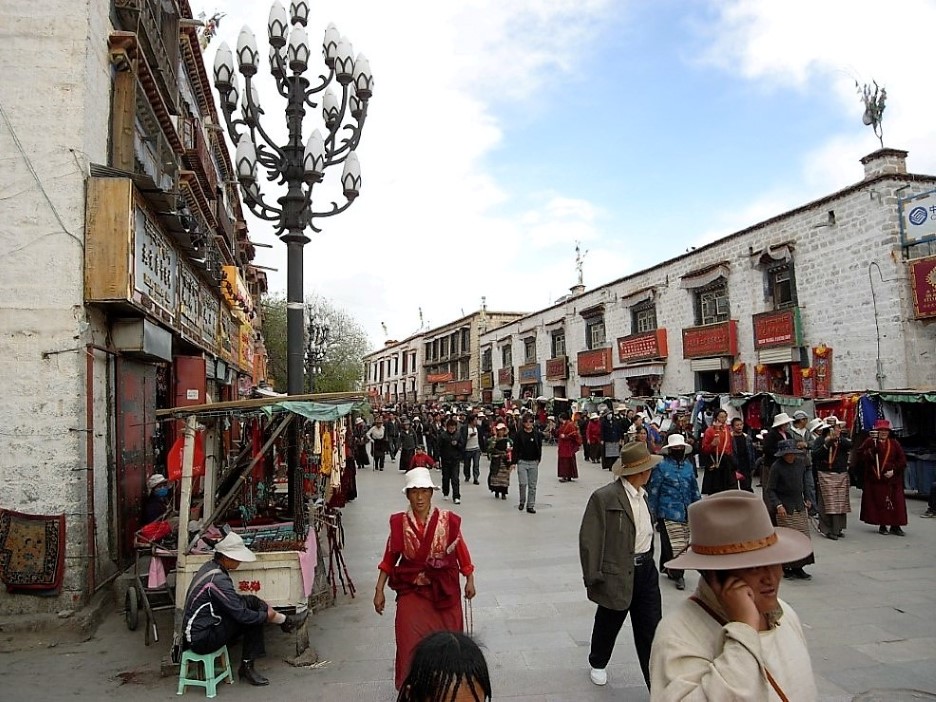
x=672 y=488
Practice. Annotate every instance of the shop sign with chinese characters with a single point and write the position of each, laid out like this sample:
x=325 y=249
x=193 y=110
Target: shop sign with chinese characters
x=155 y=268
x=487 y=381
x=642 y=347
x=439 y=377
x=775 y=329
x=530 y=373
x=557 y=368
x=595 y=362
x=711 y=340
x=505 y=376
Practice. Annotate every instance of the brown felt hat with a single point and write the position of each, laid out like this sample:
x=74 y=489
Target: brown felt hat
x=732 y=529
x=635 y=458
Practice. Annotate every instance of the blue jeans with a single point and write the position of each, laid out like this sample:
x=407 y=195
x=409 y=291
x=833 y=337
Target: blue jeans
x=472 y=464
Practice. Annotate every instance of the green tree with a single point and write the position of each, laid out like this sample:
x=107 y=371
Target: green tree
x=342 y=368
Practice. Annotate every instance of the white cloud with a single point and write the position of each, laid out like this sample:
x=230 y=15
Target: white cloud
x=429 y=228
x=824 y=47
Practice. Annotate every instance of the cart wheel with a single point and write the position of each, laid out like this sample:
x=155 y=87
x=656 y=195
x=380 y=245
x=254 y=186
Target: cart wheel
x=132 y=608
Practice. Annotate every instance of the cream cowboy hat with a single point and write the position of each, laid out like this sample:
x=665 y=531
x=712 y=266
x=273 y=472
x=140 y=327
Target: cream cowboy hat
x=418 y=478
x=154 y=480
x=732 y=530
x=781 y=419
x=635 y=458
x=815 y=424
x=233 y=547
x=593 y=415
x=676 y=441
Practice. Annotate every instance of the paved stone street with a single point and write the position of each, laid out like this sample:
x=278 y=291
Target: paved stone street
x=868 y=613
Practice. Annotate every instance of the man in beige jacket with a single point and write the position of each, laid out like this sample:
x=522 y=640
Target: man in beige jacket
x=734 y=639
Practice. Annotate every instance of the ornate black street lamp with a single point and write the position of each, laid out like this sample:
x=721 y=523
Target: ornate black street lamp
x=316 y=348
x=299 y=164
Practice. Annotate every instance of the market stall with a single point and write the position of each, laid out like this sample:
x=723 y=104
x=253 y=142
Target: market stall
x=240 y=484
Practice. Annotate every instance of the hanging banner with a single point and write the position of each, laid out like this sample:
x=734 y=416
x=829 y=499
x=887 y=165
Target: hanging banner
x=923 y=284
x=822 y=365
x=711 y=340
x=808 y=383
x=739 y=382
x=761 y=378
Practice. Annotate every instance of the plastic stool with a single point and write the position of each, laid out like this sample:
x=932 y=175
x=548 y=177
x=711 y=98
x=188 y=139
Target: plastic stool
x=210 y=683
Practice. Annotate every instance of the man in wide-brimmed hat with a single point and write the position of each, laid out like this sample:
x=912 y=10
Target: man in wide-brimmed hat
x=734 y=639
x=215 y=614
x=616 y=551
x=672 y=488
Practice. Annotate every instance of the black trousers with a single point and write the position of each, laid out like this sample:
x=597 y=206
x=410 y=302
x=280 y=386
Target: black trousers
x=228 y=630
x=646 y=612
x=450 y=478
x=406 y=457
x=607 y=462
x=379 y=459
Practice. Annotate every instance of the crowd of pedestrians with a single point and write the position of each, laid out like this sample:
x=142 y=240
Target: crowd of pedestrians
x=725 y=641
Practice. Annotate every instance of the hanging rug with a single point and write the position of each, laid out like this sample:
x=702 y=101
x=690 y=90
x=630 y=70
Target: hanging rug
x=32 y=551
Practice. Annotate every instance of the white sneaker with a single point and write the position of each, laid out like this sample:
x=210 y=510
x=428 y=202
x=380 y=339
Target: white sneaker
x=457 y=501
x=599 y=676
x=445 y=497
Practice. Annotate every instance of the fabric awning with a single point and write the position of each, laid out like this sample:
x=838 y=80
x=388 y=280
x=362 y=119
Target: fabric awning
x=782 y=400
x=909 y=397
x=316 y=411
x=637 y=371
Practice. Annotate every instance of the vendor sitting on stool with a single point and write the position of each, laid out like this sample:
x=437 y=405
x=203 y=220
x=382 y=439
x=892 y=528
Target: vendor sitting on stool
x=215 y=614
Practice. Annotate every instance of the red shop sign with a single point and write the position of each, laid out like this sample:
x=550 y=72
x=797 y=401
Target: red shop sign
x=711 y=340
x=595 y=362
x=439 y=377
x=505 y=376
x=643 y=346
x=923 y=283
x=557 y=368
x=777 y=329
x=462 y=387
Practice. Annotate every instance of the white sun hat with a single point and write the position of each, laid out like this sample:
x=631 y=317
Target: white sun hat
x=418 y=478
x=233 y=547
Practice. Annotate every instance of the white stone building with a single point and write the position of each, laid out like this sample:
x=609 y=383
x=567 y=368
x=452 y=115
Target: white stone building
x=393 y=374
x=815 y=300
x=125 y=281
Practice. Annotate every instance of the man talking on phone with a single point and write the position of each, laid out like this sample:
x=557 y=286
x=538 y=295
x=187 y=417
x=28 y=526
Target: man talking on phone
x=734 y=639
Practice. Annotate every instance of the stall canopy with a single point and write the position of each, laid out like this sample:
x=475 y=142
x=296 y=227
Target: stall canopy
x=781 y=400
x=904 y=396
x=317 y=411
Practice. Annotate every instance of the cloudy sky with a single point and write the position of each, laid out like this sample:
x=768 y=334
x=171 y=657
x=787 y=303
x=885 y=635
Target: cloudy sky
x=500 y=133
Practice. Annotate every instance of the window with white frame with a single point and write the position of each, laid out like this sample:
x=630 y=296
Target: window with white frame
x=529 y=350
x=782 y=286
x=595 y=332
x=644 y=317
x=712 y=303
x=506 y=356
x=558 y=343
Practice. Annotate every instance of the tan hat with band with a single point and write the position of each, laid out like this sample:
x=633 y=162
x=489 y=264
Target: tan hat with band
x=732 y=529
x=635 y=458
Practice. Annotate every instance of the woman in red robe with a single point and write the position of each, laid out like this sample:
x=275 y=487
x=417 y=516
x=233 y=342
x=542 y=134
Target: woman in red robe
x=425 y=553
x=569 y=442
x=882 y=497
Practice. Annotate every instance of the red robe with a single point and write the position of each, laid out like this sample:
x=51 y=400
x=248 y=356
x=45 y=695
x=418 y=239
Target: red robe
x=569 y=442
x=882 y=499
x=423 y=562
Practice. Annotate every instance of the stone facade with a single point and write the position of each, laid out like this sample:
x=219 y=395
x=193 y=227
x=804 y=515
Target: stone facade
x=394 y=373
x=835 y=264
x=61 y=451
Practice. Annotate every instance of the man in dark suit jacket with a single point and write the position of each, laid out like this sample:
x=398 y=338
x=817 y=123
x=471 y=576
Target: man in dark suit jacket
x=616 y=551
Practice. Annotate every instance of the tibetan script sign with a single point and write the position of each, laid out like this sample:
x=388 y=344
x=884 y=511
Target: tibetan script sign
x=642 y=347
x=530 y=373
x=711 y=340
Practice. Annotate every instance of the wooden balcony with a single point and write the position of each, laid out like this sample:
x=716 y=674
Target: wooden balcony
x=158 y=31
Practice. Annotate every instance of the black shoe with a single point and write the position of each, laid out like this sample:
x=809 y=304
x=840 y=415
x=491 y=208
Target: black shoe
x=521 y=506
x=247 y=672
x=833 y=537
x=504 y=497
x=788 y=574
x=801 y=574
x=897 y=531
x=294 y=621
x=476 y=482
x=531 y=510
x=882 y=530
x=680 y=583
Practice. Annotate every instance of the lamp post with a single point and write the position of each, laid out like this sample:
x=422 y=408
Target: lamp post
x=297 y=165
x=316 y=348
